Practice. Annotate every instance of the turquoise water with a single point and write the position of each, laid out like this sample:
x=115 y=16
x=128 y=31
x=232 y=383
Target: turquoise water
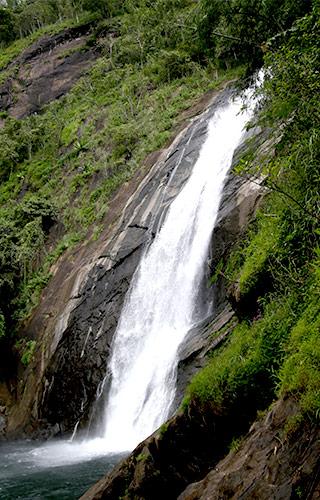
x=34 y=472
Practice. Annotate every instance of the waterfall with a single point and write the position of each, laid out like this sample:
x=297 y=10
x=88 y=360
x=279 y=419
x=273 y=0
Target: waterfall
x=163 y=304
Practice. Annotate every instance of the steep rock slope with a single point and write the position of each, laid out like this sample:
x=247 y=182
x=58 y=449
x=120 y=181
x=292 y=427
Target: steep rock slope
x=46 y=71
x=268 y=464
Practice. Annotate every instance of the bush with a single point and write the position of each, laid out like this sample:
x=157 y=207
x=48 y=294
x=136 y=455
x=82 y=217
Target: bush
x=236 y=31
x=18 y=140
x=170 y=65
x=243 y=369
x=26 y=349
x=23 y=229
x=7 y=27
x=300 y=374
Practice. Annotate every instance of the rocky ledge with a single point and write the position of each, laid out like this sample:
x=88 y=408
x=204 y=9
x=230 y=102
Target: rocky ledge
x=269 y=463
x=46 y=71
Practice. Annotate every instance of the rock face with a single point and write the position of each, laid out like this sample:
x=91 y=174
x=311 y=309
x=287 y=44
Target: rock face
x=199 y=343
x=46 y=71
x=166 y=462
x=267 y=465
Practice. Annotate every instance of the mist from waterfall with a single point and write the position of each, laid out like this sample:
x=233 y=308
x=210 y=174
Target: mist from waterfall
x=162 y=303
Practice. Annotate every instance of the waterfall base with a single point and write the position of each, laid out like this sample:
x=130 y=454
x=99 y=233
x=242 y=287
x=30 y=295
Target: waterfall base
x=59 y=470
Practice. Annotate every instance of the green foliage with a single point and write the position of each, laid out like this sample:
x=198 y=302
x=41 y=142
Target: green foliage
x=27 y=18
x=68 y=241
x=275 y=351
x=295 y=83
x=300 y=374
x=243 y=369
x=23 y=228
x=174 y=64
x=237 y=30
x=257 y=251
x=2 y=325
x=163 y=429
x=285 y=234
x=103 y=7
x=299 y=492
x=167 y=26
x=28 y=353
x=217 y=272
x=7 y=28
x=29 y=293
x=26 y=348
x=18 y=140
x=235 y=444
x=141 y=457
x=69 y=131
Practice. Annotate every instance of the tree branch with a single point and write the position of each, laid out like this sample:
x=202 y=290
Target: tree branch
x=236 y=39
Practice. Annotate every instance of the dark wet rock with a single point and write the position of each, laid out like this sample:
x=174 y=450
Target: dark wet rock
x=3 y=420
x=46 y=71
x=79 y=364
x=3 y=424
x=201 y=340
x=267 y=465
x=162 y=465
x=50 y=42
x=241 y=198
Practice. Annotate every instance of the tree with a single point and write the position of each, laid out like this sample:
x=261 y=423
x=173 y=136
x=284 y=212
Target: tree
x=235 y=31
x=7 y=25
x=99 y=6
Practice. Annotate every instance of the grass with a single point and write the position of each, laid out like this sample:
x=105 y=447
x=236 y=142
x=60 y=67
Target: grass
x=300 y=373
x=275 y=354
x=251 y=257
x=246 y=363
x=102 y=130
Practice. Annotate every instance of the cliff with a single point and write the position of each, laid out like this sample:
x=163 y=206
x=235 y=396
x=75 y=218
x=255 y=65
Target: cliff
x=76 y=326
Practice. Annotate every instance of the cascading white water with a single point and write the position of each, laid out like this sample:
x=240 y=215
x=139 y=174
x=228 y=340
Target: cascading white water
x=161 y=305
x=160 y=308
